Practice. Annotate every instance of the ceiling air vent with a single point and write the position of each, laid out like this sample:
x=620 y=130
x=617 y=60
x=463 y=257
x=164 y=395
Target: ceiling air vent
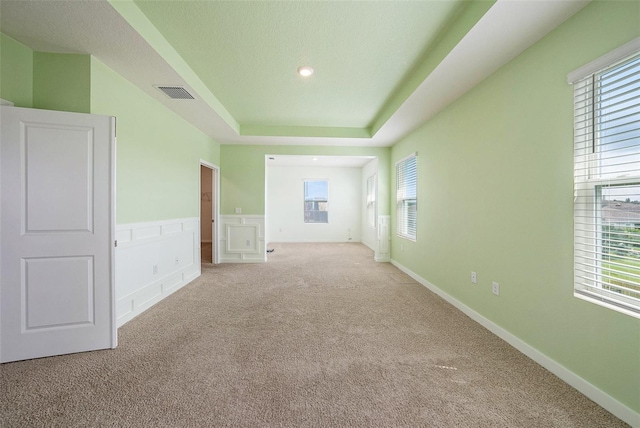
x=176 y=92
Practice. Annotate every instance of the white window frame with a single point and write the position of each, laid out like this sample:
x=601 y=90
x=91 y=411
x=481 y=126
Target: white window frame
x=404 y=215
x=592 y=281
x=372 y=190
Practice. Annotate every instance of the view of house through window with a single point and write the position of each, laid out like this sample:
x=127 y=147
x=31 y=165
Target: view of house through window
x=607 y=186
x=620 y=225
x=316 y=199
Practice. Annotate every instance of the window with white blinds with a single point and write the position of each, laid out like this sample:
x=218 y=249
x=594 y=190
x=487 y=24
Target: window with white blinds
x=607 y=186
x=371 y=201
x=407 y=197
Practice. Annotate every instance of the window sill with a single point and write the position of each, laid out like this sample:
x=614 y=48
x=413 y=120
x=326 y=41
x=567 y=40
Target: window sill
x=615 y=305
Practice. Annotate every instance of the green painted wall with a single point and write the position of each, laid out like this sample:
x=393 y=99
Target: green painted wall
x=43 y=80
x=158 y=153
x=243 y=173
x=16 y=72
x=495 y=177
x=62 y=82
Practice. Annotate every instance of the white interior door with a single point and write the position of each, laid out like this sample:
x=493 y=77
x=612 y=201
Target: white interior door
x=56 y=225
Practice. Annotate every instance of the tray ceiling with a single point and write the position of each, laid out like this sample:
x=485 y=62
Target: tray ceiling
x=381 y=67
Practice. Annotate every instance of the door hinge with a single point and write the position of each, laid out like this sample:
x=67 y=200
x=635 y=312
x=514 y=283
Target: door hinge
x=116 y=243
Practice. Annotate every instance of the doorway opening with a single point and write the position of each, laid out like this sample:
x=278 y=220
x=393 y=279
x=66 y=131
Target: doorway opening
x=209 y=203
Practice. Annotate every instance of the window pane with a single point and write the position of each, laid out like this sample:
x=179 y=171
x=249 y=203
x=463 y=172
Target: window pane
x=316 y=197
x=617 y=120
x=620 y=239
x=406 y=198
x=316 y=190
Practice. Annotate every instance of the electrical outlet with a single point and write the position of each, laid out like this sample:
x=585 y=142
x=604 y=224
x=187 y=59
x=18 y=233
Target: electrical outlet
x=238 y=210
x=248 y=242
x=401 y=247
x=474 y=278
x=495 y=288
x=177 y=261
x=155 y=269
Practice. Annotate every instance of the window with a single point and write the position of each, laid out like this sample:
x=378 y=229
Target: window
x=407 y=197
x=371 y=201
x=316 y=199
x=607 y=185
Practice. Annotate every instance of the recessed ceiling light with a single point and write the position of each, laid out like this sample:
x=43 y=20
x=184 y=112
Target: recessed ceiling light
x=314 y=159
x=305 y=71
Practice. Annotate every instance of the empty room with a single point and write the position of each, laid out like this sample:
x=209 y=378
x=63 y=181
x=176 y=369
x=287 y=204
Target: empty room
x=320 y=213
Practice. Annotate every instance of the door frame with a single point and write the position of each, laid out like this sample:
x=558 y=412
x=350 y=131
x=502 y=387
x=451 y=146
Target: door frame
x=215 y=199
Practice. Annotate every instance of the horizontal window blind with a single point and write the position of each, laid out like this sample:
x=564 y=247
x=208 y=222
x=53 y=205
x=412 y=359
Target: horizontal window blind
x=407 y=197
x=371 y=200
x=607 y=186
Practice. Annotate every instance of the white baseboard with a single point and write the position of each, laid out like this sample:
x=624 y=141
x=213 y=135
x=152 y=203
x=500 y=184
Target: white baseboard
x=314 y=241
x=242 y=239
x=153 y=260
x=603 y=399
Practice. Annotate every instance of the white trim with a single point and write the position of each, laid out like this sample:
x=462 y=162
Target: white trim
x=112 y=226
x=611 y=58
x=592 y=392
x=606 y=303
x=414 y=154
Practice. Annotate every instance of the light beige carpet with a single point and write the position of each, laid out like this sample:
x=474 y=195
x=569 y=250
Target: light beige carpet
x=320 y=336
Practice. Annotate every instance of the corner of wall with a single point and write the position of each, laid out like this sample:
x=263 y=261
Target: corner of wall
x=16 y=69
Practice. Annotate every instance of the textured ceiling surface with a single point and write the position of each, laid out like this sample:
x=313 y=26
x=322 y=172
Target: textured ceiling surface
x=247 y=54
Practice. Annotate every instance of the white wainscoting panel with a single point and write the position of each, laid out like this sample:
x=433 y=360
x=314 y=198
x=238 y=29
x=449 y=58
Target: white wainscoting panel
x=242 y=239
x=153 y=260
x=383 y=249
